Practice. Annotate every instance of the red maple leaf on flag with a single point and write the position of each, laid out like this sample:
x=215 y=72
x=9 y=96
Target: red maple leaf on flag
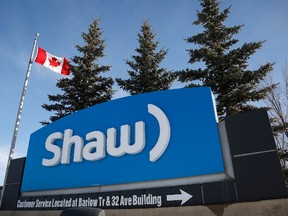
x=53 y=62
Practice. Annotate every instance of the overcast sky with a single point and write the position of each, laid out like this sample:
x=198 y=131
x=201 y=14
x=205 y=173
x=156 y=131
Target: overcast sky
x=60 y=24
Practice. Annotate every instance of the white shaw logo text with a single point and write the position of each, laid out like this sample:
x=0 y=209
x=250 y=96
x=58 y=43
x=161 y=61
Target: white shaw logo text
x=95 y=148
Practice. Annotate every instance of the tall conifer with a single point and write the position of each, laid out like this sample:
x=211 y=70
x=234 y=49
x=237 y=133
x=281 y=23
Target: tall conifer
x=145 y=74
x=226 y=63
x=87 y=86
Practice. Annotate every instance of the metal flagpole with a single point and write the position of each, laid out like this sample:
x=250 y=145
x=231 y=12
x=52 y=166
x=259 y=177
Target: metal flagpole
x=16 y=127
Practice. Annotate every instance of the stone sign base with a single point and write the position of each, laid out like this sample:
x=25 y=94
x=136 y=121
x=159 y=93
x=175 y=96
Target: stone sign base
x=277 y=207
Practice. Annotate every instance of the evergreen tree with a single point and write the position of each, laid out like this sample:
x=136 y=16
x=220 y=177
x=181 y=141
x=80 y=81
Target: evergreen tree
x=87 y=86
x=146 y=75
x=226 y=65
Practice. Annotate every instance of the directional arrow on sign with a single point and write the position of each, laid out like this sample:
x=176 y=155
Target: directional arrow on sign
x=184 y=197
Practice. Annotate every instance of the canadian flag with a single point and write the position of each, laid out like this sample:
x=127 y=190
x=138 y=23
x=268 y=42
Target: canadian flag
x=57 y=64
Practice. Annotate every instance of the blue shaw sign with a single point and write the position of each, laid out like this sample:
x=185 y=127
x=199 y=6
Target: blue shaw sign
x=144 y=138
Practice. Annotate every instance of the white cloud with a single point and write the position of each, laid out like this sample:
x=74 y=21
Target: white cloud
x=120 y=93
x=3 y=162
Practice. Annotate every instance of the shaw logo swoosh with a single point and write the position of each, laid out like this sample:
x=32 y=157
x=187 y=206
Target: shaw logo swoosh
x=97 y=144
x=164 y=134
